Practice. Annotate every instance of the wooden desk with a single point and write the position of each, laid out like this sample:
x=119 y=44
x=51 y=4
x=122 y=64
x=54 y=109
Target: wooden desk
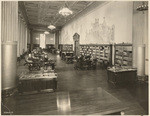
x=121 y=76
x=37 y=82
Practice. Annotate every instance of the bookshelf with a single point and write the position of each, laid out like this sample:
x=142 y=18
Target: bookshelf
x=35 y=46
x=100 y=51
x=123 y=54
x=66 y=47
x=49 y=46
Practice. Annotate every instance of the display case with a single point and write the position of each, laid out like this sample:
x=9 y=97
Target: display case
x=119 y=75
x=37 y=82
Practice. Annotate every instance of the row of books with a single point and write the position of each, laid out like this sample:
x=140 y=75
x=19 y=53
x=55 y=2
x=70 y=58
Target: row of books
x=101 y=52
x=123 y=55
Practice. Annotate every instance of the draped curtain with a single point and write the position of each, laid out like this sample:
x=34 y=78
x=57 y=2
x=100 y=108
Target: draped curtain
x=24 y=36
x=9 y=21
x=14 y=27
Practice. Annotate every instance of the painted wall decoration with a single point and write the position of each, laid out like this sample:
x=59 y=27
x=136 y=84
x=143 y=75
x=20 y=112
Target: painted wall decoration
x=102 y=33
x=93 y=28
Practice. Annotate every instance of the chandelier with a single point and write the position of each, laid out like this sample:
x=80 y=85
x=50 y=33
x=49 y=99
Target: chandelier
x=51 y=27
x=142 y=7
x=65 y=11
x=46 y=32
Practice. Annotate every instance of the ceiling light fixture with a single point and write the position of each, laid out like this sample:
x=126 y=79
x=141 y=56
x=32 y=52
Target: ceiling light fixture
x=142 y=7
x=46 y=32
x=51 y=27
x=65 y=11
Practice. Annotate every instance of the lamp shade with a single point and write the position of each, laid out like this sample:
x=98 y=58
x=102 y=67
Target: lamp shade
x=51 y=27
x=65 y=11
x=46 y=32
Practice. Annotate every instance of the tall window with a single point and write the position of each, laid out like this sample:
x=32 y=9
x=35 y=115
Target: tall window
x=42 y=41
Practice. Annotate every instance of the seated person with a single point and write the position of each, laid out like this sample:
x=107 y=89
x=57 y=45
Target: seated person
x=36 y=53
x=39 y=50
x=48 y=62
x=33 y=50
x=29 y=59
x=45 y=58
x=88 y=57
x=35 y=57
x=81 y=58
x=33 y=62
x=81 y=61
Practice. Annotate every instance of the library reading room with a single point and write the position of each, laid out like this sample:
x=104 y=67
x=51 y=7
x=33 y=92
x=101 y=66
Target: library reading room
x=74 y=58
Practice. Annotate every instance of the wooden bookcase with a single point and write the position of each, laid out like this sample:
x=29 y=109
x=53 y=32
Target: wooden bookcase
x=66 y=47
x=100 y=51
x=36 y=45
x=123 y=54
x=49 y=46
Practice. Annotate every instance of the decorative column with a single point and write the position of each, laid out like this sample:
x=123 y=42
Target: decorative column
x=140 y=40
x=112 y=53
x=31 y=40
x=57 y=39
x=141 y=60
x=9 y=45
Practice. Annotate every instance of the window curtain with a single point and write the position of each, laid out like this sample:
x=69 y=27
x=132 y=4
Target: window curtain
x=23 y=33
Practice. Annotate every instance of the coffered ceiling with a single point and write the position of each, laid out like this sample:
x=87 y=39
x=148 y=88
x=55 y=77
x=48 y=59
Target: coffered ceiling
x=40 y=14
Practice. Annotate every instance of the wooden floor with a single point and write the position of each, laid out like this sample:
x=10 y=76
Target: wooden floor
x=80 y=92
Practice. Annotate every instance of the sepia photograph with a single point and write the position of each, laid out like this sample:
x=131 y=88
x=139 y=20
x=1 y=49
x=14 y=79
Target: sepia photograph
x=74 y=57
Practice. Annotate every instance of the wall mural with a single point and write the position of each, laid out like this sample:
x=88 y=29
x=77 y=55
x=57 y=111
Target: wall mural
x=66 y=37
x=96 y=33
x=100 y=33
x=102 y=25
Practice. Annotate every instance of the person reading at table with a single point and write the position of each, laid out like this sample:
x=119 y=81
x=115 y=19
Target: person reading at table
x=45 y=61
x=29 y=59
